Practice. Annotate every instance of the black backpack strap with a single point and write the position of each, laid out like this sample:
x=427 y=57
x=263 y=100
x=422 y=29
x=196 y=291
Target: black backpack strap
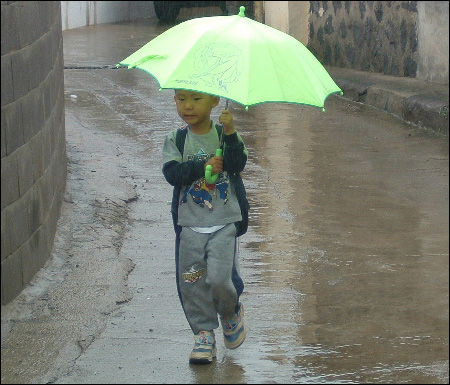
x=179 y=142
x=181 y=138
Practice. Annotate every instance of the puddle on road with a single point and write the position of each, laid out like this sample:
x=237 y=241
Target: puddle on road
x=344 y=284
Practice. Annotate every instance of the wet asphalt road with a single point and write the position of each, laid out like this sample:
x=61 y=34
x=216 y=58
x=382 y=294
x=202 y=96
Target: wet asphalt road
x=345 y=262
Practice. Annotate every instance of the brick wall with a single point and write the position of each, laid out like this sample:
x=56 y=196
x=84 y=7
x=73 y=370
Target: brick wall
x=33 y=166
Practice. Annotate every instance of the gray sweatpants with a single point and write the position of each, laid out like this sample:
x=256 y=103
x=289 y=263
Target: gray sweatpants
x=207 y=276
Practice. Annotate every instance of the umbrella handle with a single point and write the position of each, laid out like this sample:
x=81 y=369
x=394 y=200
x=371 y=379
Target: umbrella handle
x=221 y=135
x=209 y=177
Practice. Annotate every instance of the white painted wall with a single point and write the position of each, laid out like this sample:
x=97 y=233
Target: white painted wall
x=277 y=15
x=75 y=14
x=433 y=41
x=290 y=17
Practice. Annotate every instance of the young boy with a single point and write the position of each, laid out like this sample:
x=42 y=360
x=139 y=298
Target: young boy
x=208 y=218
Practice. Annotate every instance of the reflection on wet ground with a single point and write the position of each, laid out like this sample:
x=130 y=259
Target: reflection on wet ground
x=351 y=244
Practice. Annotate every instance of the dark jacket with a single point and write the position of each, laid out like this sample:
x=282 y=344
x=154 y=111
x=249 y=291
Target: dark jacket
x=182 y=174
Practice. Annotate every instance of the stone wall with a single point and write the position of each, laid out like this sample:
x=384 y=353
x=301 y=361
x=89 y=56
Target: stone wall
x=33 y=166
x=374 y=36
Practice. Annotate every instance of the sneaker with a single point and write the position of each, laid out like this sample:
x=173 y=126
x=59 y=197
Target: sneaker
x=204 y=348
x=234 y=331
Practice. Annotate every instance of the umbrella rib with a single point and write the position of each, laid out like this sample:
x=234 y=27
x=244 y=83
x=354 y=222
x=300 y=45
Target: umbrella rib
x=276 y=69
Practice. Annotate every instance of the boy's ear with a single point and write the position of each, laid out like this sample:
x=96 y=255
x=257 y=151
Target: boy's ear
x=216 y=101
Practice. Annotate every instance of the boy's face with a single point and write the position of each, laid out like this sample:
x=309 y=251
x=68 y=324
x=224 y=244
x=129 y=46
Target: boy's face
x=195 y=107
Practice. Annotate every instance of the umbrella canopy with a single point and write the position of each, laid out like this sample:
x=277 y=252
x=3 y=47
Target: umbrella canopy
x=236 y=58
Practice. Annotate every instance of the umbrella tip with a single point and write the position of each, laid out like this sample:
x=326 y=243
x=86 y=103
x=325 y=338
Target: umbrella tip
x=241 y=11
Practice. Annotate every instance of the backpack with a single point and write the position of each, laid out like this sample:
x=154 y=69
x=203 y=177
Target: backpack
x=235 y=178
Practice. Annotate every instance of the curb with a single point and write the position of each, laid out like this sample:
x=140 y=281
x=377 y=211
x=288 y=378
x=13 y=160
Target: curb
x=418 y=102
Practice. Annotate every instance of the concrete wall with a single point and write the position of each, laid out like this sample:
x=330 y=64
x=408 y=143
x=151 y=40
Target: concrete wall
x=33 y=166
x=277 y=15
x=77 y=14
x=433 y=60
x=290 y=17
x=399 y=38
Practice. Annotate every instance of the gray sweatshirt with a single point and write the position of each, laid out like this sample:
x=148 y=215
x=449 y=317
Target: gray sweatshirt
x=202 y=204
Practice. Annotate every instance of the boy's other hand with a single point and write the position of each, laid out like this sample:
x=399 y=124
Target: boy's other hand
x=226 y=118
x=216 y=163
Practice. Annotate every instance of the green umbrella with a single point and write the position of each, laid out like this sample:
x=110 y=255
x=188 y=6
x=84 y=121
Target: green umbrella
x=236 y=58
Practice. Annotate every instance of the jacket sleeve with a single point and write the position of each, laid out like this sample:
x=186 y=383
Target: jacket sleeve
x=235 y=153
x=177 y=172
x=182 y=174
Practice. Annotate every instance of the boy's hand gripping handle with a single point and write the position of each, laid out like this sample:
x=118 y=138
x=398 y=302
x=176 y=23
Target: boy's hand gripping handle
x=212 y=178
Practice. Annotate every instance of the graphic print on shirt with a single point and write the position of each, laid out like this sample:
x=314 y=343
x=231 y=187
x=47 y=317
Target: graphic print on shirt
x=201 y=192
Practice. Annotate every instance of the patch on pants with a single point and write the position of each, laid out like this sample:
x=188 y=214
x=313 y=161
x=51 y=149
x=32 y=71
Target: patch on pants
x=193 y=275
